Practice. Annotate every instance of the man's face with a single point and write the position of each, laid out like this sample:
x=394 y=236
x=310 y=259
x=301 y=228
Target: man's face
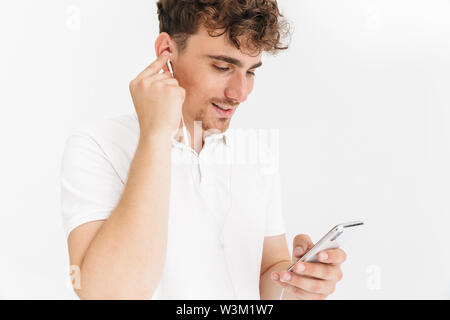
x=214 y=74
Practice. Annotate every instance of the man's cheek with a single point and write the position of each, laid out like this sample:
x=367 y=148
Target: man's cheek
x=250 y=88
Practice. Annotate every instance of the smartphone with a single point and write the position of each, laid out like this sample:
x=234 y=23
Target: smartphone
x=331 y=240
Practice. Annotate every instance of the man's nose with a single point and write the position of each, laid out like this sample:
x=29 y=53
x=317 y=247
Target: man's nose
x=237 y=89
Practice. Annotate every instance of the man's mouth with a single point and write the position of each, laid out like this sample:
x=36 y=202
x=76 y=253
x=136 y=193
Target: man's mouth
x=223 y=111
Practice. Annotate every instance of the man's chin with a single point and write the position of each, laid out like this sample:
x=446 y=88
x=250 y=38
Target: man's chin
x=219 y=125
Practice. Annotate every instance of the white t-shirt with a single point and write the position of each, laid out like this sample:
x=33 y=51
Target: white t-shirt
x=223 y=202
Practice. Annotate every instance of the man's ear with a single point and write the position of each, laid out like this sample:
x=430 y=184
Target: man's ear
x=163 y=43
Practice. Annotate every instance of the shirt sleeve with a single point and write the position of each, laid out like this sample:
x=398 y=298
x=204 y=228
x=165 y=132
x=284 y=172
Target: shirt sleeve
x=90 y=186
x=274 y=218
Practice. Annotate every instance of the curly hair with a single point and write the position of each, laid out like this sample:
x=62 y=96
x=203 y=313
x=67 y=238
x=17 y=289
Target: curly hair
x=257 y=23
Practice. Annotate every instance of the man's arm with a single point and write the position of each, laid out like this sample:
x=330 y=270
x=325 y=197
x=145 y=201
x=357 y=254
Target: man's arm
x=275 y=258
x=123 y=257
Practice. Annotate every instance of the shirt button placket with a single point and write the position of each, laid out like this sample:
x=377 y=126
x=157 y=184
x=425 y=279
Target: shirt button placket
x=196 y=172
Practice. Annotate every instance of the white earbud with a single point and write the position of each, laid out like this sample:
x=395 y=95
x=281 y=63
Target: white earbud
x=185 y=134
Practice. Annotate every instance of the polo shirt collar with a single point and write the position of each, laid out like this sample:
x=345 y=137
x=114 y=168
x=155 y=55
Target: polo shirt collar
x=221 y=137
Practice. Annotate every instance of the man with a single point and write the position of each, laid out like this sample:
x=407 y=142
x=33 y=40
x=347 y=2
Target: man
x=142 y=223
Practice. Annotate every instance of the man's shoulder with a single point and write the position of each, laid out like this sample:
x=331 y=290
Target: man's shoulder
x=115 y=138
x=126 y=123
x=119 y=131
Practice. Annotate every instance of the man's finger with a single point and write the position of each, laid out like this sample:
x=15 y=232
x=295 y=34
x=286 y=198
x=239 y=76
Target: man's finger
x=156 y=66
x=333 y=256
x=308 y=284
x=302 y=243
x=170 y=81
x=165 y=68
x=147 y=81
x=157 y=77
x=318 y=270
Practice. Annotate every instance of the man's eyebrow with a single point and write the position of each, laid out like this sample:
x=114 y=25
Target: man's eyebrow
x=233 y=61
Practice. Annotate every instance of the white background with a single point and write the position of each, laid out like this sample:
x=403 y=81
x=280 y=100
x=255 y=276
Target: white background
x=361 y=99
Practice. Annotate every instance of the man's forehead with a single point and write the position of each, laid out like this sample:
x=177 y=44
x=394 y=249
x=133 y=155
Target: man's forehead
x=205 y=44
x=229 y=59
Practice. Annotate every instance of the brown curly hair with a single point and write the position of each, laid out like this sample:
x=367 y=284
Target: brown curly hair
x=257 y=22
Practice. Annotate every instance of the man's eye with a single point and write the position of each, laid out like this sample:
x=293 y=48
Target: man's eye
x=251 y=73
x=221 y=69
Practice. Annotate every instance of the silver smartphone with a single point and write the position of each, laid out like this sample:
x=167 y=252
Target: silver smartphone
x=331 y=240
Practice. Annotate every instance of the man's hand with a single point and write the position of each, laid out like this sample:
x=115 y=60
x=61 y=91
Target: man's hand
x=157 y=98
x=311 y=280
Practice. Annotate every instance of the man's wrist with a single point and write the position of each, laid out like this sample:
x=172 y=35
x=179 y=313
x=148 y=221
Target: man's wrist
x=158 y=138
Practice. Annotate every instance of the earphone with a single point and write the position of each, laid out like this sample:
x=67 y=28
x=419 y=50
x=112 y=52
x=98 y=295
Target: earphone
x=185 y=134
